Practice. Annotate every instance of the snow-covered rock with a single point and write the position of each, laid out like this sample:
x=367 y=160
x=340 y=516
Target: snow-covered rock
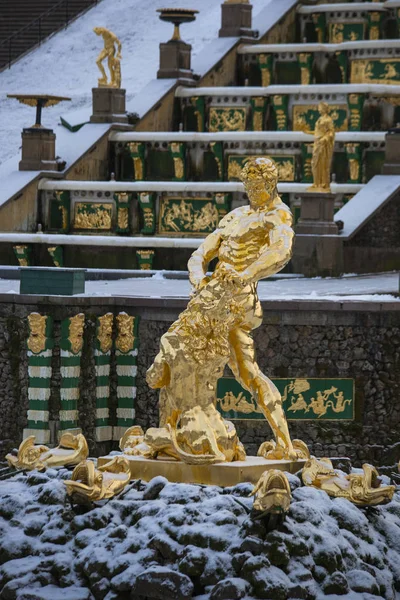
x=166 y=541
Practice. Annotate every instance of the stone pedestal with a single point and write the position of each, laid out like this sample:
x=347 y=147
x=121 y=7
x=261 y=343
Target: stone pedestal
x=175 y=60
x=235 y=19
x=316 y=214
x=392 y=153
x=318 y=249
x=38 y=150
x=223 y=474
x=108 y=105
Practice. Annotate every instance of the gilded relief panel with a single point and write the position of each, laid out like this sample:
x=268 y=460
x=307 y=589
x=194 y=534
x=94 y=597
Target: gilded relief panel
x=285 y=164
x=377 y=70
x=227 y=119
x=192 y=216
x=90 y=215
x=305 y=117
x=303 y=399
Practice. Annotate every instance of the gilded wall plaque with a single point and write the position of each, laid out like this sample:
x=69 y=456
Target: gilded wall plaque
x=90 y=215
x=285 y=164
x=377 y=70
x=346 y=32
x=227 y=119
x=188 y=215
x=303 y=399
x=305 y=117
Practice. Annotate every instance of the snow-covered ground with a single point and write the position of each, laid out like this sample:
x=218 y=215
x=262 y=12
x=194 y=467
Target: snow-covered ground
x=65 y=64
x=180 y=541
x=379 y=287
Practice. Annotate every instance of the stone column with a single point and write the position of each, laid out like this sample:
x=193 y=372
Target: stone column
x=38 y=150
x=236 y=19
x=318 y=249
x=108 y=105
x=392 y=152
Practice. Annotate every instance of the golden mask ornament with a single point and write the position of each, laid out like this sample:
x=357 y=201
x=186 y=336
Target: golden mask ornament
x=104 y=332
x=75 y=336
x=37 y=332
x=71 y=450
x=363 y=489
x=125 y=338
x=251 y=242
x=272 y=494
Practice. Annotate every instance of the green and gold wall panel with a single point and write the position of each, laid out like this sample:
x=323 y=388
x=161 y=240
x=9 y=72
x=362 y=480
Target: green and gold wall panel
x=306 y=115
x=191 y=216
x=227 y=118
x=377 y=70
x=286 y=166
x=59 y=212
x=346 y=32
x=303 y=399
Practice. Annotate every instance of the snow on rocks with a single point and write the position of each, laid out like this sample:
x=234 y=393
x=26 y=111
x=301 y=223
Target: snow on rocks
x=171 y=541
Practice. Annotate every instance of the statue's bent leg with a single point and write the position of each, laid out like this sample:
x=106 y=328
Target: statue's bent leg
x=99 y=62
x=246 y=370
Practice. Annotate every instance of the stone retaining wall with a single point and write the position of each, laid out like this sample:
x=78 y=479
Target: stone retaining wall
x=296 y=339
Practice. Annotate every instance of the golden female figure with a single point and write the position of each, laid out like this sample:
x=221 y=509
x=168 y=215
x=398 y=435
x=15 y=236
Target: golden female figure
x=251 y=242
x=322 y=150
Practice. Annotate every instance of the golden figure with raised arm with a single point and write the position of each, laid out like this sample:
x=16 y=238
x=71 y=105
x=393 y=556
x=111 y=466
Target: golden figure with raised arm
x=113 y=56
x=251 y=242
x=324 y=140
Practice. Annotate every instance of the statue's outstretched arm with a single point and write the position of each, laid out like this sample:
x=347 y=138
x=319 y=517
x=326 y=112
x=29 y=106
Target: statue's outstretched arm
x=275 y=256
x=201 y=257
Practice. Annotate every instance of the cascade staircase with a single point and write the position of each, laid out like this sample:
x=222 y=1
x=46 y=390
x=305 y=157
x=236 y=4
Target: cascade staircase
x=167 y=190
x=25 y=24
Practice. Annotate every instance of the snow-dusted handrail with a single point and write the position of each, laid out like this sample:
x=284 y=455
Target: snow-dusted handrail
x=343 y=6
x=317 y=47
x=59 y=239
x=324 y=88
x=240 y=136
x=179 y=186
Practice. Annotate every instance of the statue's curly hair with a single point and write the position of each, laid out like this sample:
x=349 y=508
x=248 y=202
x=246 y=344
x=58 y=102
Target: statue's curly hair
x=264 y=167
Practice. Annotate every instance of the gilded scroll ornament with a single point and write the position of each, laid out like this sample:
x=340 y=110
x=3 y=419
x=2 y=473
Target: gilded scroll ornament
x=104 y=333
x=113 y=56
x=125 y=339
x=250 y=243
x=324 y=140
x=123 y=218
x=71 y=450
x=272 y=494
x=227 y=119
x=89 y=484
x=362 y=489
x=37 y=332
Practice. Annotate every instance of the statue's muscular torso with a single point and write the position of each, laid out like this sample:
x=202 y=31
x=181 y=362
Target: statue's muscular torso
x=246 y=234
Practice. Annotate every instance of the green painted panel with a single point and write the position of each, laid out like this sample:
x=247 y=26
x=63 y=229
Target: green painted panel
x=303 y=399
x=287 y=73
x=378 y=70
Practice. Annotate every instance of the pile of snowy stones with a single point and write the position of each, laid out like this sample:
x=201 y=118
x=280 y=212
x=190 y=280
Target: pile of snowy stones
x=173 y=541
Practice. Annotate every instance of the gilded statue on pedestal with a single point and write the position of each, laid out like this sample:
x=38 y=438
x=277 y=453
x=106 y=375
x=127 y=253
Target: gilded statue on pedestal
x=250 y=243
x=113 y=58
x=324 y=140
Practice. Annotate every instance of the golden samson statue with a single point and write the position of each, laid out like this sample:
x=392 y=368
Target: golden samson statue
x=322 y=150
x=113 y=57
x=250 y=243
